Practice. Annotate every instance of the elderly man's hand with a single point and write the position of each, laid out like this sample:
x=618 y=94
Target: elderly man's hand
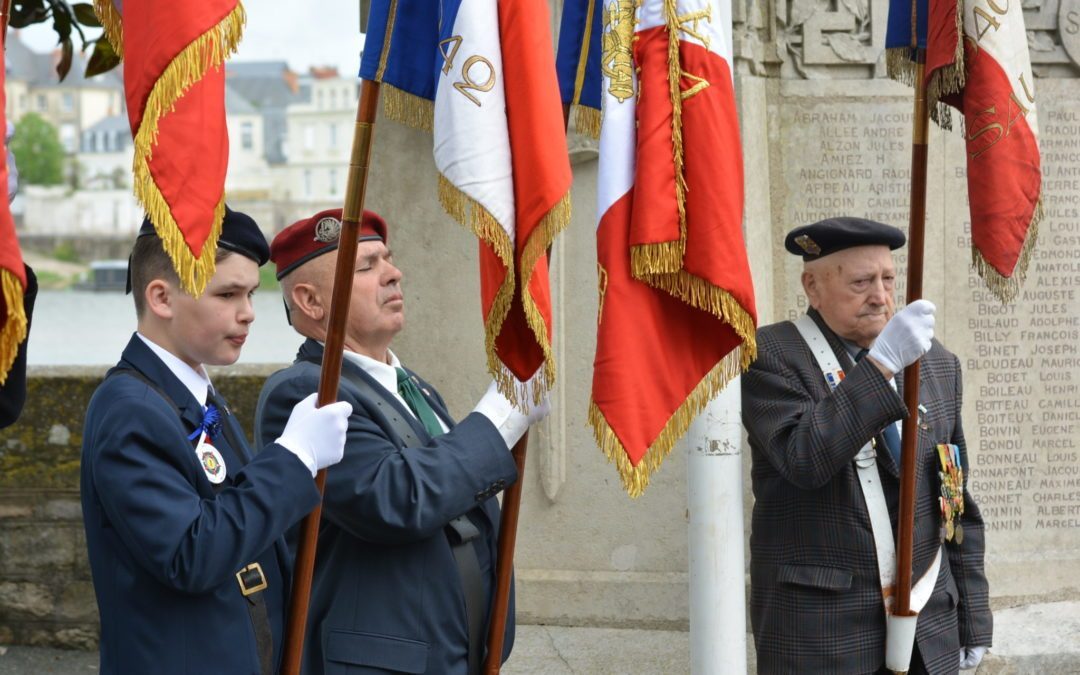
x=905 y=338
x=971 y=657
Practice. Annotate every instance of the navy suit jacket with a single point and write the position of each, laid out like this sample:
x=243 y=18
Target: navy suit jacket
x=387 y=596
x=164 y=547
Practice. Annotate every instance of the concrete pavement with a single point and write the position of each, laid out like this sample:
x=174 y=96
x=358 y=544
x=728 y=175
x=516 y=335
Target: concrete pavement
x=1037 y=639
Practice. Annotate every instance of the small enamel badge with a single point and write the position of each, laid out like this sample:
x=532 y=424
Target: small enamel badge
x=211 y=461
x=807 y=244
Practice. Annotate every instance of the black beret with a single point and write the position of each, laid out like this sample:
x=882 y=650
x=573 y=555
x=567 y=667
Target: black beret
x=835 y=234
x=239 y=234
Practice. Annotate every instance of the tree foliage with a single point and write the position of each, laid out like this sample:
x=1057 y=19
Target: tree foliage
x=68 y=18
x=38 y=151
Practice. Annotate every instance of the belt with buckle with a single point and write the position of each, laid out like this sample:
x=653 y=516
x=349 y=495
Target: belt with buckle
x=251 y=579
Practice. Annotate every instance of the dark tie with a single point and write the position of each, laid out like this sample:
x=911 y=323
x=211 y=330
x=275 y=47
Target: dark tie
x=890 y=434
x=406 y=386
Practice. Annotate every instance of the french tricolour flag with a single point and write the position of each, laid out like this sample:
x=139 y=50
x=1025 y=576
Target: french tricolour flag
x=984 y=71
x=676 y=311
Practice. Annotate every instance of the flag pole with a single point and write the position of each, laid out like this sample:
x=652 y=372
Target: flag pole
x=916 y=237
x=504 y=568
x=332 y=359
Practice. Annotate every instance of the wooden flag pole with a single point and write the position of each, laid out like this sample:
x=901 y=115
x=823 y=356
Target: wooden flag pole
x=504 y=568
x=332 y=358
x=916 y=231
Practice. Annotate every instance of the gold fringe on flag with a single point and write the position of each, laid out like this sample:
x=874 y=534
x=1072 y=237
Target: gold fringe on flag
x=667 y=257
x=13 y=332
x=209 y=50
x=636 y=478
x=553 y=222
x=1007 y=288
x=587 y=121
x=113 y=24
x=408 y=109
x=472 y=215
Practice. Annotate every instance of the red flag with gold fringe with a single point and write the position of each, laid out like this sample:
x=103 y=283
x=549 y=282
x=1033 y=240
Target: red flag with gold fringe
x=12 y=271
x=676 y=318
x=174 y=82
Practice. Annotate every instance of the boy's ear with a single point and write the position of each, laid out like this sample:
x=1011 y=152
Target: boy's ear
x=159 y=298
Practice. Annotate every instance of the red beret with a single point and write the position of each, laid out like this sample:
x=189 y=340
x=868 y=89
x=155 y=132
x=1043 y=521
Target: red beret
x=311 y=237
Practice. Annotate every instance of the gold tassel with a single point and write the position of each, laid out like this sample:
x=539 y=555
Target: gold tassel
x=636 y=478
x=408 y=109
x=1007 y=288
x=553 y=222
x=675 y=73
x=899 y=66
x=113 y=24
x=13 y=332
x=472 y=215
x=209 y=50
x=587 y=121
x=654 y=259
x=384 y=55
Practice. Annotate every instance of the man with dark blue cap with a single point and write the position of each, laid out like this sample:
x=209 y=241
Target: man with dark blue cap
x=822 y=405
x=183 y=526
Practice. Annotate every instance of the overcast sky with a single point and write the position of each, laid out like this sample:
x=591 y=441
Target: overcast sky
x=295 y=32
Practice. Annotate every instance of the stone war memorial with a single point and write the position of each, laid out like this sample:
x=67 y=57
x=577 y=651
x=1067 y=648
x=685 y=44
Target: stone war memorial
x=824 y=133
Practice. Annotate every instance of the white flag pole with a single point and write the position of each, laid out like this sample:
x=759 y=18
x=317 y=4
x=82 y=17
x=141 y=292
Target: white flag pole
x=717 y=561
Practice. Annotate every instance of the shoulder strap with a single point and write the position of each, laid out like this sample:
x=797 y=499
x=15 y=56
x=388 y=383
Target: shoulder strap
x=870 y=482
x=131 y=372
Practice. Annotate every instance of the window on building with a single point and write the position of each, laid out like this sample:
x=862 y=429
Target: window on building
x=90 y=142
x=309 y=137
x=333 y=99
x=42 y=103
x=333 y=136
x=69 y=138
x=247 y=135
x=318 y=99
x=119 y=141
x=307 y=182
x=67 y=102
x=333 y=182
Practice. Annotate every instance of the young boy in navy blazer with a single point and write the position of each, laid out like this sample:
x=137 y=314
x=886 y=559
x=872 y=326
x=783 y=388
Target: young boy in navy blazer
x=183 y=522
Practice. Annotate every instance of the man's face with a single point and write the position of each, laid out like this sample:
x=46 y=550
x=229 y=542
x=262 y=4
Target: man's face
x=212 y=329
x=377 y=309
x=853 y=291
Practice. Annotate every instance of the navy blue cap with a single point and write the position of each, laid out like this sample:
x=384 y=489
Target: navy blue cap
x=239 y=234
x=836 y=234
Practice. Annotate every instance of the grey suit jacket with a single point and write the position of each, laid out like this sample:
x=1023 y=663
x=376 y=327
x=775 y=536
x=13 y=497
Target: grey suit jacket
x=387 y=596
x=815 y=598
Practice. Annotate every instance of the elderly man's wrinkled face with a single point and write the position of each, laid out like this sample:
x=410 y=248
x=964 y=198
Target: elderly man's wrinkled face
x=853 y=289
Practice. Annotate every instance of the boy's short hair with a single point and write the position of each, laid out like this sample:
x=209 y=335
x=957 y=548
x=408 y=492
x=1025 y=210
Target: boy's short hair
x=149 y=261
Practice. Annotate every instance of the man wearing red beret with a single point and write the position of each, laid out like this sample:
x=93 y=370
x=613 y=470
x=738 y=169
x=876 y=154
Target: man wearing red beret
x=405 y=570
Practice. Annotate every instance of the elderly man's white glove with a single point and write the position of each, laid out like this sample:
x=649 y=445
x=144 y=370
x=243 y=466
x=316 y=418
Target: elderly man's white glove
x=316 y=435
x=906 y=337
x=511 y=422
x=971 y=657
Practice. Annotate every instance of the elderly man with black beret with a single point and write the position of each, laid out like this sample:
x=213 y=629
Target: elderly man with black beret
x=822 y=405
x=405 y=571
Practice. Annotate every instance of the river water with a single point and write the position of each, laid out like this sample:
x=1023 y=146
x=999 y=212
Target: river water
x=87 y=328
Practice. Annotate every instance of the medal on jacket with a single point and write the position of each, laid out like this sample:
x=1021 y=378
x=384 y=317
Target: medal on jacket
x=211 y=461
x=951 y=500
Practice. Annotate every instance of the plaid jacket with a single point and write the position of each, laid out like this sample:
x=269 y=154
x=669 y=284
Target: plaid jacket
x=815 y=600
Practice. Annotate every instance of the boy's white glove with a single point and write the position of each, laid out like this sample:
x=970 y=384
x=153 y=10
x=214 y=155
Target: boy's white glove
x=316 y=435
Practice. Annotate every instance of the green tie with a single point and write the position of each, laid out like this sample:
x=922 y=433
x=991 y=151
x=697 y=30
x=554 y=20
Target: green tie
x=406 y=386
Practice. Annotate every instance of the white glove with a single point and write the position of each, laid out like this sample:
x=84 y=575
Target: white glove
x=971 y=658
x=316 y=435
x=511 y=422
x=906 y=337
